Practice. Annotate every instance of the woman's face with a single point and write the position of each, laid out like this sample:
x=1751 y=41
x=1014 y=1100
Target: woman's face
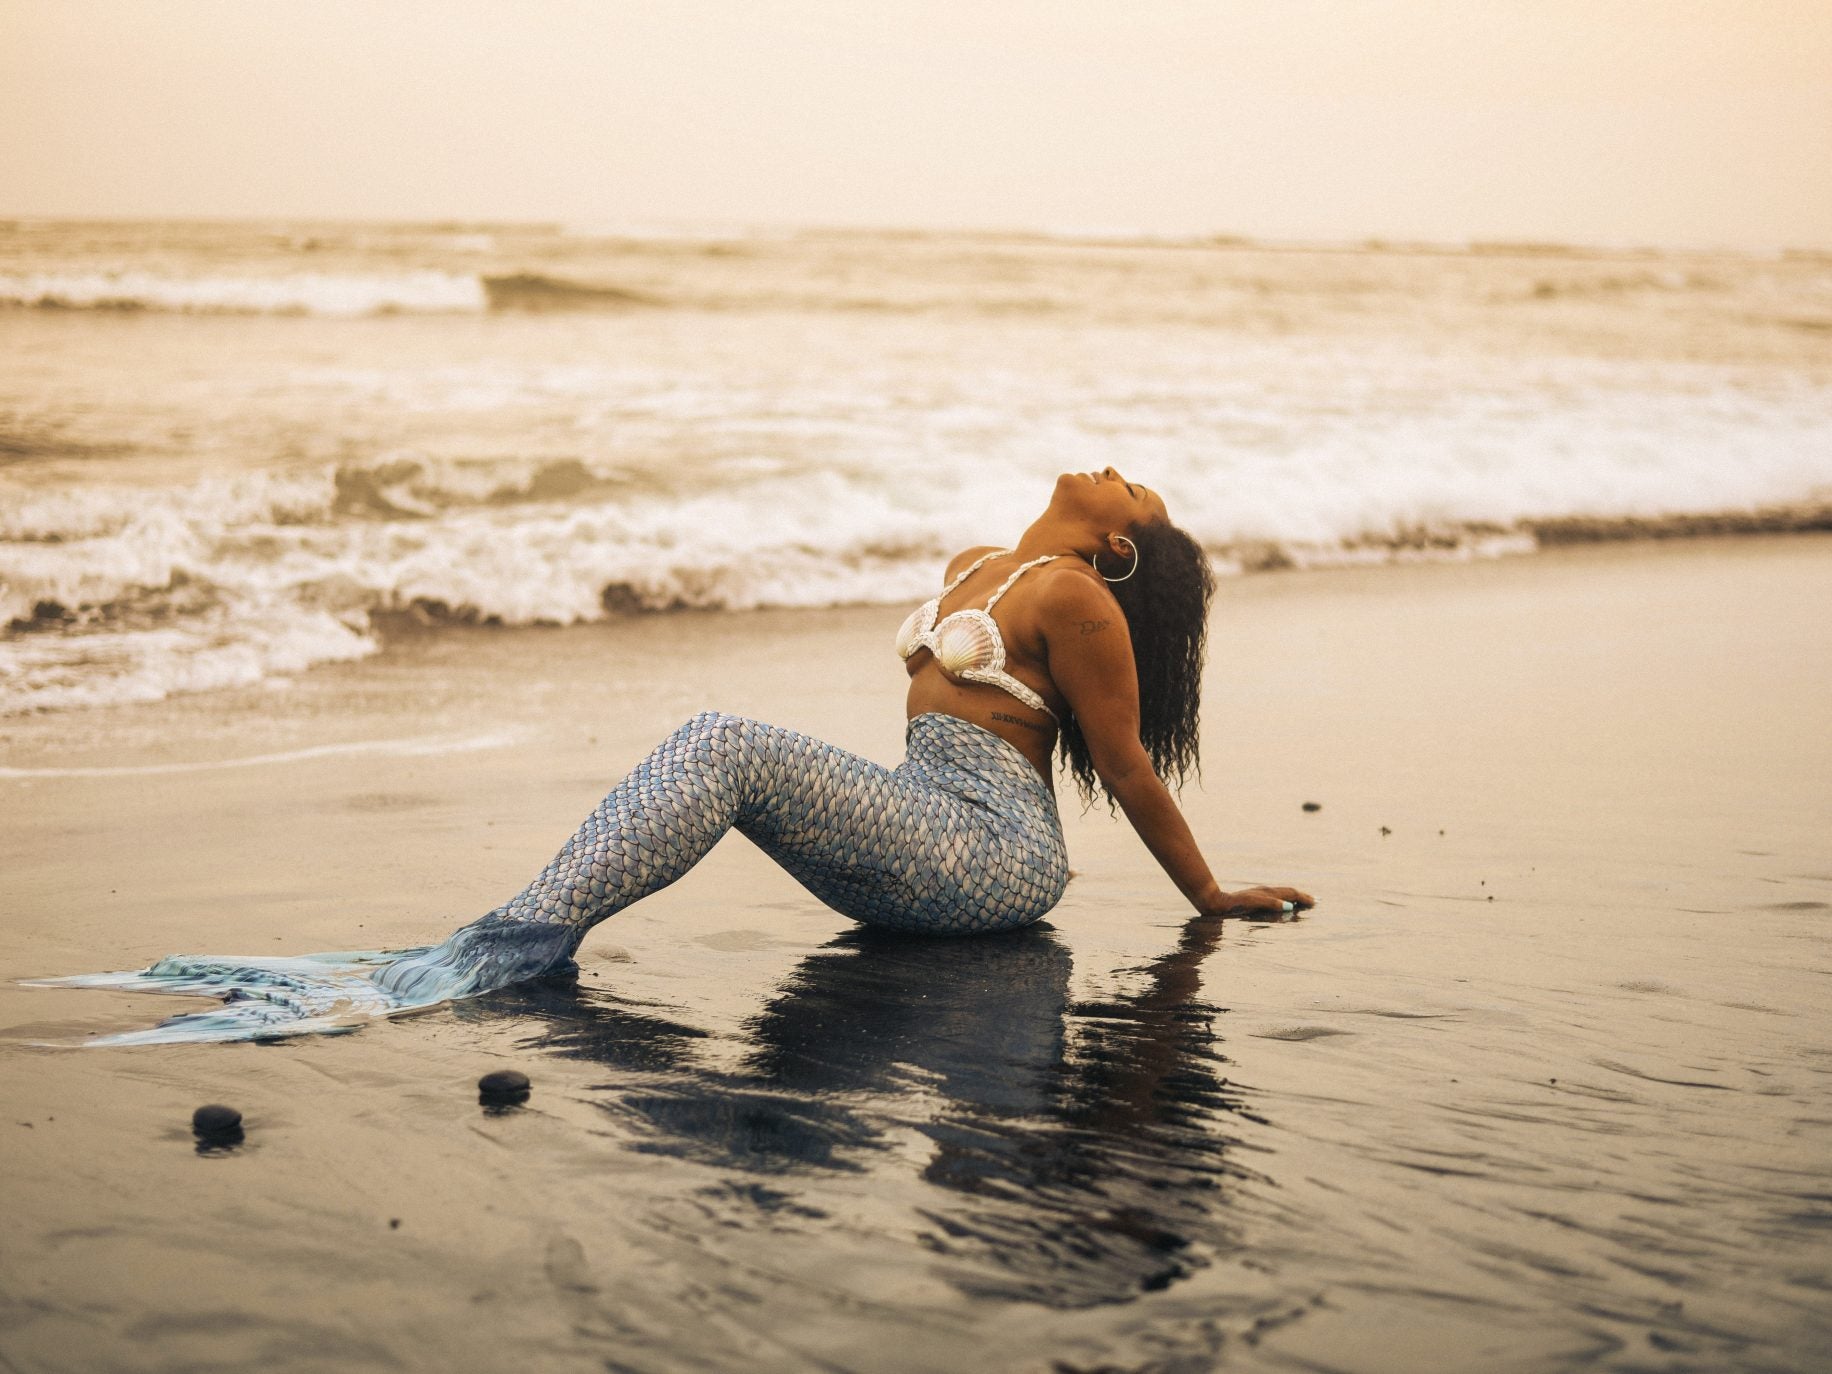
x=1109 y=500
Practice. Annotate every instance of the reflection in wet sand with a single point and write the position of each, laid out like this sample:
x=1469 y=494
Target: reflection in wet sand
x=1076 y=1154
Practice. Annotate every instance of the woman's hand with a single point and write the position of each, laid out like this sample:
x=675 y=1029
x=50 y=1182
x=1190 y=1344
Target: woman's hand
x=1263 y=903
x=1091 y=664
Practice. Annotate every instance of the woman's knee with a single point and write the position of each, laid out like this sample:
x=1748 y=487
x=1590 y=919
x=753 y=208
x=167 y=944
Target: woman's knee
x=710 y=737
x=713 y=724
x=733 y=755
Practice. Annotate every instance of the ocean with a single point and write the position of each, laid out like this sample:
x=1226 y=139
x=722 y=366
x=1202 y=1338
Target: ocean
x=232 y=451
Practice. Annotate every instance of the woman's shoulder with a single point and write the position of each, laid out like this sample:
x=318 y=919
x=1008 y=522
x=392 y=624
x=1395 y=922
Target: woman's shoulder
x=1069 y=589
x=958 y=564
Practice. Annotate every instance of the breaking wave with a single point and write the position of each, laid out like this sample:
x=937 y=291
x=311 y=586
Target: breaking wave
x=322 y=294
x=654 y=421
x=532 y=291
x=125 y=594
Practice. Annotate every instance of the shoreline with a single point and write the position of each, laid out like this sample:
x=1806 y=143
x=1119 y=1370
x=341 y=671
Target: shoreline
x=410 y=628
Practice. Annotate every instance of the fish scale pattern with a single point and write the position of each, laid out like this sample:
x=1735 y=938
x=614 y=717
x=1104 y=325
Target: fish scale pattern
x=963 y=836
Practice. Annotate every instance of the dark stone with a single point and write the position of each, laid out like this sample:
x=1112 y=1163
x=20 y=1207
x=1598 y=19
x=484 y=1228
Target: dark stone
x=504 y=1085
x=1313 y=806
x=216 y=1119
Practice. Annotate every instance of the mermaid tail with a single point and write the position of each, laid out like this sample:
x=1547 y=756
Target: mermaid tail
x=962 y=837
x=264 y=998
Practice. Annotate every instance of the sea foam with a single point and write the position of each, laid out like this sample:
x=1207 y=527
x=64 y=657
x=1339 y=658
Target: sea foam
x=301 y=293
x=566 y=427
x=131 y=594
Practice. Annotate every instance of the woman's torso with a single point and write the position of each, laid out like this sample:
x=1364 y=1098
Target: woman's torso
x=1018 y=617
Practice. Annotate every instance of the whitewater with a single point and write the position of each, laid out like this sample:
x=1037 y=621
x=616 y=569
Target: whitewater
x=229 y=453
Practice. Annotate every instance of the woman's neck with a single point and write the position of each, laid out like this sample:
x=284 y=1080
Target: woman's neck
x=1052 y=534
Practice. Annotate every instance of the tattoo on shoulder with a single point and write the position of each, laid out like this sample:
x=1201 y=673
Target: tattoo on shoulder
x=1094 y=627
x=1010 y=719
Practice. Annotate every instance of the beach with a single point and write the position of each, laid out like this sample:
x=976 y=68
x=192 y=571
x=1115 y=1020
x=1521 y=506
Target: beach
x=1544 y=1082
x=451 y=471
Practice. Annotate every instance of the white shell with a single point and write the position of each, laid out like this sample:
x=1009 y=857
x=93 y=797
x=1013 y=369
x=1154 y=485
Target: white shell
x=964 y=642
x=907 y=636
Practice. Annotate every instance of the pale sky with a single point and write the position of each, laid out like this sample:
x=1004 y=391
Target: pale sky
x=1678 y=122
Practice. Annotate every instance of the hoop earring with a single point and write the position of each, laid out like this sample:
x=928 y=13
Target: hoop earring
x=1095 y=560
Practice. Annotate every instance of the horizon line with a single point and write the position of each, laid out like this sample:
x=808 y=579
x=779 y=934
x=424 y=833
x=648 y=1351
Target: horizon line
x=1090 y=235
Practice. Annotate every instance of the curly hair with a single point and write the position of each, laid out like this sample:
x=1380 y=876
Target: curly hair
x=1166 y=604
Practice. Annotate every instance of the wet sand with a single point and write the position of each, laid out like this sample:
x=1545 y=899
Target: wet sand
x=1546 y=1081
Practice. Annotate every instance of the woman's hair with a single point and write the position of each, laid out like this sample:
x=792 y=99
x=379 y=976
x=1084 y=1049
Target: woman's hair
x=1167 y=614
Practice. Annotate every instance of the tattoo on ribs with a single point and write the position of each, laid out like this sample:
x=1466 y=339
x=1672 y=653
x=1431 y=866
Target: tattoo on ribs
x=1016 y=720
x=1094 y=627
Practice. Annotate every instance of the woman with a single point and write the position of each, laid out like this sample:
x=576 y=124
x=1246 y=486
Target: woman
x=1086 y=638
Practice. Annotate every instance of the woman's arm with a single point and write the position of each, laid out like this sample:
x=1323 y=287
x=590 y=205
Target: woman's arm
x=1090 y=661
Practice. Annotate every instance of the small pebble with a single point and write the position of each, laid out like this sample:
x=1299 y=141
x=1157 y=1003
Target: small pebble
x=504 y=1085
x=1384 y=832
x=216 y=1119
x=1313 y=806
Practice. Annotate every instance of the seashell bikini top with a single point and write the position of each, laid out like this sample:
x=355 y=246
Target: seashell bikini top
x=967 y=644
